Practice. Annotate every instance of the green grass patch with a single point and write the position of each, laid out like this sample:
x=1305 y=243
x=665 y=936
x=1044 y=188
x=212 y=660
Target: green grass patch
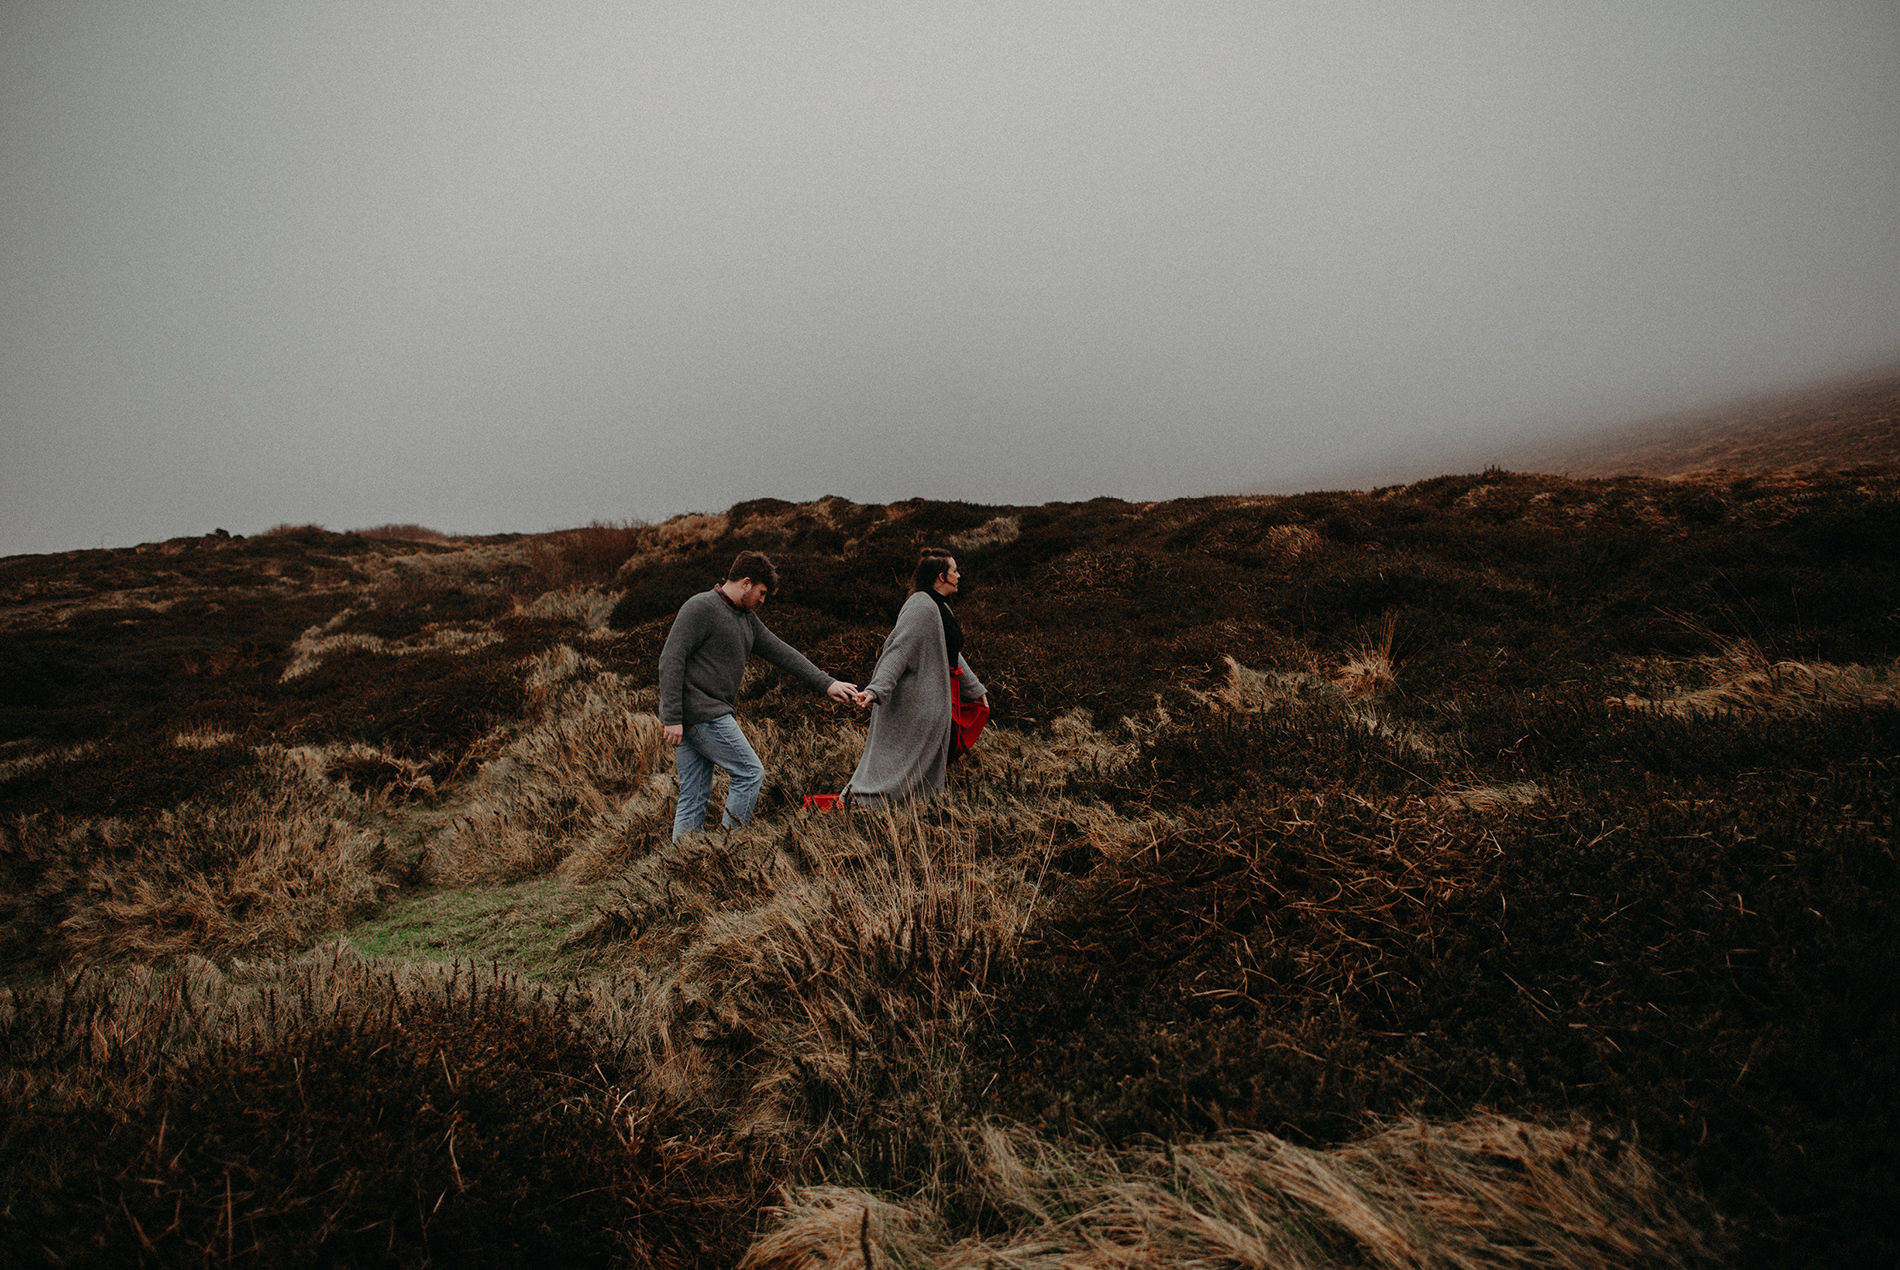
x=521 y=926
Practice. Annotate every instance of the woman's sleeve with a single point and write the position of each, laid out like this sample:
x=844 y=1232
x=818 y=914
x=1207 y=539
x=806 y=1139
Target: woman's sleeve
x=970 y=688
x=899 y=657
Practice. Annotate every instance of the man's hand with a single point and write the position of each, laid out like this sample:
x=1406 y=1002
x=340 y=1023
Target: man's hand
x=673 y=733
x=840 y=691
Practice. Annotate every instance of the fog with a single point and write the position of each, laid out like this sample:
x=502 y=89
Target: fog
x=511 y=266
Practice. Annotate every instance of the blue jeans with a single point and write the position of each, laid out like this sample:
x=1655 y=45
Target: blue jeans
x=716 y=743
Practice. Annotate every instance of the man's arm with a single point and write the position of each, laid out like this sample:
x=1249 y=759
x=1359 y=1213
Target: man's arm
x=796 y=664
x=687 y=633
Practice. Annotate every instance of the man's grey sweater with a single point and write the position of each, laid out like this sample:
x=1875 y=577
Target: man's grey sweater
x=704 y=659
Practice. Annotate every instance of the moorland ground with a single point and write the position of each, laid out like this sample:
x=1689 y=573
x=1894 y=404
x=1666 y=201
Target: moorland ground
x=1495 y=870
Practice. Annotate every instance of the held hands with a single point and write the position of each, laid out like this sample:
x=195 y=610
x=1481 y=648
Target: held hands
x=841 y=691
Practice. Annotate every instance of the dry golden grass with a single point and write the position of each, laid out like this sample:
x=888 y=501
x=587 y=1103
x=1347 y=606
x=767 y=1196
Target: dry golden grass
x=261 y=873
x=842 y=965
x=319 y=642
x=1294 y=541
x=1354 y=687
x=691 y=530
x=203 y=739
x=642 y=819
x=586 y=607
x=1018 y=765
x=1367 y=670
x=33 y=760
x=991 y=533
x=577 y=777
x=399 y=779
x=139 y=1023
x=469 y=566
x=836 y=1226
x=1490 y=798
x=1481 y=1194
x=1246 y=689
x=58 y=611
x=674 y=538
x=1743 y=678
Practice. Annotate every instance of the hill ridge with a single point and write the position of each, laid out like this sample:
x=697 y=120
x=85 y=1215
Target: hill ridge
x=1303 y=816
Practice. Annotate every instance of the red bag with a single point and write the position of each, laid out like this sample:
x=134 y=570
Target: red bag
x=966 y=717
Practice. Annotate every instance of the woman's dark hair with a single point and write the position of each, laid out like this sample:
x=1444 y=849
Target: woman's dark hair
x=932 y=563
x=755 y=566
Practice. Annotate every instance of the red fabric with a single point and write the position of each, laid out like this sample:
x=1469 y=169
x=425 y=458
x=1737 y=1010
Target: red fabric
x=966 y=718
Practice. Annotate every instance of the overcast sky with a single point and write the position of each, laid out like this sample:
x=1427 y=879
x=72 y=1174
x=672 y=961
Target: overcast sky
x=518 y=266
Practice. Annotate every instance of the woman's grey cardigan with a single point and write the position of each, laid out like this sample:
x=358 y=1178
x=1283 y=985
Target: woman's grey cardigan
x=909 y=745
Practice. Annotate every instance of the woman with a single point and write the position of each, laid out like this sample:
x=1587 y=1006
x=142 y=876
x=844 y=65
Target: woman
x=919 y=674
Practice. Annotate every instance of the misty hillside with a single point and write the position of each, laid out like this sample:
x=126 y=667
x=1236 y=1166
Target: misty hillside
x=1489 y=871
x=1834 y=427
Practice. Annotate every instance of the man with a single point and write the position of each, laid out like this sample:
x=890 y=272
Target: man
x=700 y=668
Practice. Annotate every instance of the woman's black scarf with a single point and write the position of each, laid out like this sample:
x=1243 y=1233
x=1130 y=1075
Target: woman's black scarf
x=952 y=629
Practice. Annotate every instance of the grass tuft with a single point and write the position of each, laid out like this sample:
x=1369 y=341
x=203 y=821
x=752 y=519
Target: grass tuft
x=1482 y=1194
